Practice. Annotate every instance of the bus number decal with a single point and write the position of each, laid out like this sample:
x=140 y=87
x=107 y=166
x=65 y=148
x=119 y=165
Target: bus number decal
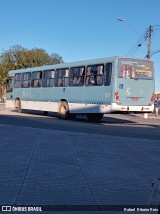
x=128 y=92
x=26 y=94
x=107 y=95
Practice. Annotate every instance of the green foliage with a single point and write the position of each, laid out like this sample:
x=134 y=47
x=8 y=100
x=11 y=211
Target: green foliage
x=18 y=57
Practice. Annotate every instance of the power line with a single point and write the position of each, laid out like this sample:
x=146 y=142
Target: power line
x=138 y=44
x=154 y=52
x=146 y=37
x=157 y=28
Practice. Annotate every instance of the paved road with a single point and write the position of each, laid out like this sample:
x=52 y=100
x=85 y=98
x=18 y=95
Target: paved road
x=47 y=161
x=115 y=125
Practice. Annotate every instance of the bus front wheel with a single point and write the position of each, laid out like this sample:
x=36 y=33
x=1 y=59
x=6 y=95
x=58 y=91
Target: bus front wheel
x=19 y=108
x=95 y=117
x=63 y=110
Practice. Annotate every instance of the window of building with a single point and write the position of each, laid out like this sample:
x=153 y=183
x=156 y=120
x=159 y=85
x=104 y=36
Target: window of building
x=48 y=78
x=36 y=79
x=108 y=74
x=94 y=76
x=77 y=76
x=26 y=80
x=62 y=77
x=17 y=82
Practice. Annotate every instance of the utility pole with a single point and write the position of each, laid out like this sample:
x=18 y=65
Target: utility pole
x=147 y=36
x=149 y=42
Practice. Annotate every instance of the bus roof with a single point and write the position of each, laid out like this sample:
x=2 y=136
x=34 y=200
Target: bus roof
x=73 y=64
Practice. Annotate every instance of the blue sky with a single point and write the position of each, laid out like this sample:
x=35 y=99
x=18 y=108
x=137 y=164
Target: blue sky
x=80 y=29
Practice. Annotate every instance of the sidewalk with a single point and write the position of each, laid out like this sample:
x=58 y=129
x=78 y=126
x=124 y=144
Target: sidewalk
x=150 y=116
x=154 y=116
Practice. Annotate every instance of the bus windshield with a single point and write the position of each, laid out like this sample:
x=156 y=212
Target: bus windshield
x=135 y=69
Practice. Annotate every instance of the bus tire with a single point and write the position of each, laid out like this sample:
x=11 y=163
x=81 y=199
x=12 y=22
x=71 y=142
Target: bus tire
x=45 y=113
x=63 y=110
x=95 y=117
x=19 y=109
x=71 y=116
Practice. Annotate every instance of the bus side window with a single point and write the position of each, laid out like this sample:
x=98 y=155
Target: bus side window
x=62 y=77
x=88 y=73
x=94 y=75
x=76 y=76
x=48 y=78
x=26 y=80
x=17 y=81
x=36 y=79
x=59 y=75
x=66 y=77
x=100 y=73
x=80 y=79
x=108 y=74
x=9 y=84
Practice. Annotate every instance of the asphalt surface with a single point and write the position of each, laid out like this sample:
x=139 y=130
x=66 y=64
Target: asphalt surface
x=134 y=126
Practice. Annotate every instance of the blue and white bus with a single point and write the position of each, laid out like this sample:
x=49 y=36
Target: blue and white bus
x=92 y=87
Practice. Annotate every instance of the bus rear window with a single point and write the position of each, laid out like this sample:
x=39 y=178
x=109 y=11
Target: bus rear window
x=135 y=69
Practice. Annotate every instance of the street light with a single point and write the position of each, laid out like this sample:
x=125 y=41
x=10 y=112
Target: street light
x=149 y=36
x=124 y=20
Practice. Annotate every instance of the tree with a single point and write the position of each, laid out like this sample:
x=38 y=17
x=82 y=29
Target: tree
x=18 y=57
x=3 y=79
x=56 y=58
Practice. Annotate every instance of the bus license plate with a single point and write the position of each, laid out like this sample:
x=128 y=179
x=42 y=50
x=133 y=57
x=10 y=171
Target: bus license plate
x=134 y=99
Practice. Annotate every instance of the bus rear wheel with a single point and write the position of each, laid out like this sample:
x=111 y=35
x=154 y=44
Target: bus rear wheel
x=63 y=110
x=95 y=117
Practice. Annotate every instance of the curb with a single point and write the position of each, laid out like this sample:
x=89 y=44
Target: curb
x=150 y=116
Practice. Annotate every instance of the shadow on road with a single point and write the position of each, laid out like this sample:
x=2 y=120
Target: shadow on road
x=124 y=126
x=80 y=118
